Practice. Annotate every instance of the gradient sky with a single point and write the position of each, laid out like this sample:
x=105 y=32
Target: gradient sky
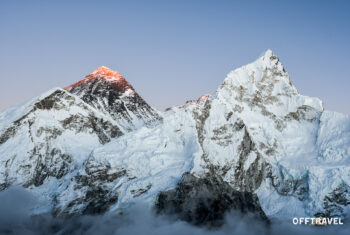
x=173 y=51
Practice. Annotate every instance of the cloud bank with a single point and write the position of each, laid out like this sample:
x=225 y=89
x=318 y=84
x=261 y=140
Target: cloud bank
x=16 y=218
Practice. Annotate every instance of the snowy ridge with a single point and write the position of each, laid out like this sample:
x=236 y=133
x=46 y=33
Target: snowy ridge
x=13 y=113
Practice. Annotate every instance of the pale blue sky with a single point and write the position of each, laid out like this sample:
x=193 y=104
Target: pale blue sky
x=172 y=51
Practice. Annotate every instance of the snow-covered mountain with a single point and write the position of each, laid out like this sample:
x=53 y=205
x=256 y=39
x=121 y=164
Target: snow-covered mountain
x=255 y=145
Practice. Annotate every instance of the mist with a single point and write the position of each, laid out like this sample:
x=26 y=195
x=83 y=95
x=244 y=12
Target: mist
x=16 y=217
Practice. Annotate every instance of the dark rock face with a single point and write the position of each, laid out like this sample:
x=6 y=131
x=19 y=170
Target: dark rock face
x=103 y=129
x=302 y=113
x=249 y=179
x=109 y=97
x=204 y=201
x=335 y=202
x=290 y=187
x=54 y=163
x=8 y=133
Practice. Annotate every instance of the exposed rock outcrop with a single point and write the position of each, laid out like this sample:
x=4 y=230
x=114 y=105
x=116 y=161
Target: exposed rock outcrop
x=205 y=201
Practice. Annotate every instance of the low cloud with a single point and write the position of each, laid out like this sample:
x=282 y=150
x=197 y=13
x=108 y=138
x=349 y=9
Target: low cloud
x=16 y=218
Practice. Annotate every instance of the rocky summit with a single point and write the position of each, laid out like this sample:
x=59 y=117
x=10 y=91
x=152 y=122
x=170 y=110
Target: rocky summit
x=257 y=146
x=111 y=94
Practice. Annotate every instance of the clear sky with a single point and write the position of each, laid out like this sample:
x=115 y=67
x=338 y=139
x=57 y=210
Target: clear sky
x=172 y=51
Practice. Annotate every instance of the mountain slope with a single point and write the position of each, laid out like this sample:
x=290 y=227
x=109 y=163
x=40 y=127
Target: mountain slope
x=109 y=92
x=53 y=135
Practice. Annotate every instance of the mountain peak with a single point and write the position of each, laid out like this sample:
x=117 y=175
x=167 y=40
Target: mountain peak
x=268 y=53
x=109 y=92
x=266 y=66
x=269 y=58
x=106 y=72
x=264 y=84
